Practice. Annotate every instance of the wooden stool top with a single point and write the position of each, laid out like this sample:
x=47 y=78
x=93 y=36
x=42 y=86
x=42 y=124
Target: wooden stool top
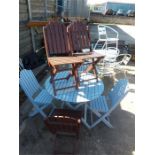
x=64 y=120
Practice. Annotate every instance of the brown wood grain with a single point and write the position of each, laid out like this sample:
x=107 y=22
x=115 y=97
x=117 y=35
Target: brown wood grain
x=79 y=36
x=56 y=38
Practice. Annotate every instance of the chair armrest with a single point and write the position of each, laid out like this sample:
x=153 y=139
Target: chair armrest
x=112 y=29
x=108 y=27
x=123 y=58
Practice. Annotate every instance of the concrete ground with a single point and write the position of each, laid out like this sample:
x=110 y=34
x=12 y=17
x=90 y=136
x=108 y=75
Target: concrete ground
x=35 y=139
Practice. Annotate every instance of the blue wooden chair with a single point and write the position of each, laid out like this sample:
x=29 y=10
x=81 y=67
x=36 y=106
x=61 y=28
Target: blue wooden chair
x=38 y=96
x=104 y=105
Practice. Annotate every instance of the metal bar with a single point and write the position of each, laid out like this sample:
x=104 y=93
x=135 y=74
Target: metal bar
x=85 y=112
x=45 y=9
x=29 y=9
x=30 y=18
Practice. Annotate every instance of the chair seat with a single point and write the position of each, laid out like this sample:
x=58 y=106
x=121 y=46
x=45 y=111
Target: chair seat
x=112 y=39
x=110 y=53
x=100 y=51
x=99 y=104
x=109 y=39
x=43 y=98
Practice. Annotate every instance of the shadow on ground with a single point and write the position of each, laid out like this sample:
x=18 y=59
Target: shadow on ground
x=37 y=140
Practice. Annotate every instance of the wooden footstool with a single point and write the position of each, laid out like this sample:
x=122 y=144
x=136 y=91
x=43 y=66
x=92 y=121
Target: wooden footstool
x=64 y=122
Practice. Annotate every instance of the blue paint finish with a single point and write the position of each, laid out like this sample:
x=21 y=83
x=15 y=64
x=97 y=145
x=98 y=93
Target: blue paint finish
x=100 y=105
x=88 y=90
x=39 y=97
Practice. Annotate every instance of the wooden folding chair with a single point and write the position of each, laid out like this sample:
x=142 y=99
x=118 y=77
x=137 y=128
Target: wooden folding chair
x=58 y=53
x=80 y=44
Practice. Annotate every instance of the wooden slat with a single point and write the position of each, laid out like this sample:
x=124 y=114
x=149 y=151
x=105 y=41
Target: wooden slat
x=64 y=60
x=82 y=35
x=49 y=40
x=79 y=36
x=28 y=82
x=40 y=23
x=37 y=23
x=52 y=33
x=61 y=37
x=66 y=41
x=57 y=39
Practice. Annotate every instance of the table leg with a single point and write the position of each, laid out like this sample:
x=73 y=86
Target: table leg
x=85 y=112
x=84 y=119
x=53 y=81
x=92 y=67
x=75 y=73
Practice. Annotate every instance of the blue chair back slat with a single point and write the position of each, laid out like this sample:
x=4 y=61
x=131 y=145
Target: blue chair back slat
x=118 y=92
x=29 y=83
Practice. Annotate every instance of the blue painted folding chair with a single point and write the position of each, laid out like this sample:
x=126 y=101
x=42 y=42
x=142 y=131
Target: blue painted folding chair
x=38 y=96
x=104 y=105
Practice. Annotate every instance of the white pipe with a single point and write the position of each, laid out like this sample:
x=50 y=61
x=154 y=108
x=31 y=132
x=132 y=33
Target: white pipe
x=30 y=18
x=45 y=8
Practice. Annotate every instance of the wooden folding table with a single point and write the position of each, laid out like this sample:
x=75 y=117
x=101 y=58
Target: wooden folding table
x=57 y=63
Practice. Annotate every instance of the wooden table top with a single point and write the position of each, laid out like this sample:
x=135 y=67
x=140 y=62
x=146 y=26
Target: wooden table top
x=72 y=59
x=64 y=60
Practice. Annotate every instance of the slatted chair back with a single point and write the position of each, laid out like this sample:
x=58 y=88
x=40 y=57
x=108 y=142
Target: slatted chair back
x=118 y=92
x=29 y=83
x=56 y=39
x=79 y=37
